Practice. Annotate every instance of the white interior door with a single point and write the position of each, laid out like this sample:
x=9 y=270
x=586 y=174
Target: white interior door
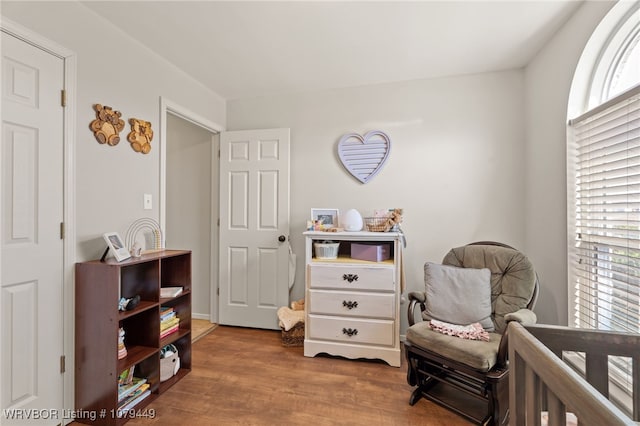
x=31 y=286
x=254 y=227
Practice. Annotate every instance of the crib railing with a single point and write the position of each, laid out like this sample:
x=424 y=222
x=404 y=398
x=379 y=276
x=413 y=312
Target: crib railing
x=539 y=379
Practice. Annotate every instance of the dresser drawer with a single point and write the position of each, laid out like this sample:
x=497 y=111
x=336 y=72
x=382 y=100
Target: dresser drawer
x=352 y=277
x=353 y=304
x=351 y=330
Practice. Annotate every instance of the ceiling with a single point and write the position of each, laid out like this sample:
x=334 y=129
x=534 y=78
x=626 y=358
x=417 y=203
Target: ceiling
x=242 y=49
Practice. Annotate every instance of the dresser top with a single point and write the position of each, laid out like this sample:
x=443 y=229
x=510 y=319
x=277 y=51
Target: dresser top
x=358 y=235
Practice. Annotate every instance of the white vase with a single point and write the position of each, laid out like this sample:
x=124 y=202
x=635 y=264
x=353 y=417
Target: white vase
x=352 y=220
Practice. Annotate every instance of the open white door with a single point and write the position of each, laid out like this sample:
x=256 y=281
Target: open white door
x=254 y=227
x=31 y=286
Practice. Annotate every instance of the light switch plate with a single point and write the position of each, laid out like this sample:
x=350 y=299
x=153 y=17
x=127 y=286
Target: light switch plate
x=147 y=202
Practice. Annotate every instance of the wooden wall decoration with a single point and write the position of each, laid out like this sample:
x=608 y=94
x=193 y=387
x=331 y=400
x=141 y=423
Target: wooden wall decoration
x=364 y=156
x=107 y=125
x=140 y=135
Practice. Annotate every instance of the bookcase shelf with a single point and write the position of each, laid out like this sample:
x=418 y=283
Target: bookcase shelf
x=135 y=355
x=165 y=300
x=142 y=306
x=99 y=286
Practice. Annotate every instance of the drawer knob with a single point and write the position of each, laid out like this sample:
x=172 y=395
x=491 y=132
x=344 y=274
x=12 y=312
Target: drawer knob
x=350 y=331
x=349 y=304
x=350 y=277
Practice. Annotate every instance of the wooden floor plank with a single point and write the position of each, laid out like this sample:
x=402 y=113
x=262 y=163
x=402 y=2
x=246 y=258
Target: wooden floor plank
x=245 y=376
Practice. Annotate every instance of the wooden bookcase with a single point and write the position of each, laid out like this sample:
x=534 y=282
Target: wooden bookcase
x=99 y=286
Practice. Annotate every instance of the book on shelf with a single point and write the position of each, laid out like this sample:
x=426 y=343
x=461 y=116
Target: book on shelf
x=170 y=291
x=168 y=324
x=167 y=317
x=169 y=330
x=130 y=403
x=124 y=391
x=126 y=376
x=166 y=312
x=132 y=396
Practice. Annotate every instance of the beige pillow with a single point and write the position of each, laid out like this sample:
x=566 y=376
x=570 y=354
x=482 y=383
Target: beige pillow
x=458 y=295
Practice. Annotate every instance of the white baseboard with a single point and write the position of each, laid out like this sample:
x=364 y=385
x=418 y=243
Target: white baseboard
x=201 y=316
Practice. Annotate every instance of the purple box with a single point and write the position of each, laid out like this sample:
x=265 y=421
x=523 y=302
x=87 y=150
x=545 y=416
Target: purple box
x=374 y=252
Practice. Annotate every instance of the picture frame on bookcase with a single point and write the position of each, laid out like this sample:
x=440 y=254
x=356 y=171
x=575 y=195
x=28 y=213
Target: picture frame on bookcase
x=114 y=242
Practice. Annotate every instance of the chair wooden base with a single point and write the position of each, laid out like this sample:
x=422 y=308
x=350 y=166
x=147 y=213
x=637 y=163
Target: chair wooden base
x=480 y=397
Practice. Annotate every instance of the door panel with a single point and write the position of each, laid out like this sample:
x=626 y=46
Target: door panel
x=254 y=213
x=31 y=286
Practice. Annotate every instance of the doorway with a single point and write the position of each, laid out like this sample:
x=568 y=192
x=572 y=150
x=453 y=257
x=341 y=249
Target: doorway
x=272 y=213
x=189 y=199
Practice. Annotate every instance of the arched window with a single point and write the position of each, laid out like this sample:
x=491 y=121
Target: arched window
x=603 y=175
x=618 y=68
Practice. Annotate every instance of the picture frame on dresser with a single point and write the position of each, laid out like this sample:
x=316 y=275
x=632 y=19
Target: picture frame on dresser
x=328 y=217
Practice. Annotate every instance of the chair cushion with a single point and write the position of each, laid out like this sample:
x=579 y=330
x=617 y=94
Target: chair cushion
x=458 y=295
x=513 y=278
x=477 y=354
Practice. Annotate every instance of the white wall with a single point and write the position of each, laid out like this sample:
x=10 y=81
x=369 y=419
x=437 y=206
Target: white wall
x=473 y=157
x=547 y=84
x=117 y=71
x=456 y=164
x=459 y=164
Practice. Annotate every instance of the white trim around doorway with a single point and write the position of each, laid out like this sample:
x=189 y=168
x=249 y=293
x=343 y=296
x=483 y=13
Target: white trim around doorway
x=169 y=107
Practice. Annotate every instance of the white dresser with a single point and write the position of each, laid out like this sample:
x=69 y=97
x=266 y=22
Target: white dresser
x=352 y=306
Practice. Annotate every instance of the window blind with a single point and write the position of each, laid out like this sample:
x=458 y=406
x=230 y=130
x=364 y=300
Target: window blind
x=605 y=265
x=604 y=260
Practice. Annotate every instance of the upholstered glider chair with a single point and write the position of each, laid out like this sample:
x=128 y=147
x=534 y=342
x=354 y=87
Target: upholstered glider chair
x=476 y=291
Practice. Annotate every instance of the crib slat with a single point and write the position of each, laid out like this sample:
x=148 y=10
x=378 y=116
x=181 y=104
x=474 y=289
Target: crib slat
x=533 y=392
x=597 y=369
x=557 y=410
x=635 y=376
x=517 y=398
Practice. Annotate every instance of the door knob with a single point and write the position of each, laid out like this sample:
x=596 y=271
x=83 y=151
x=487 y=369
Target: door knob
x=282 y=238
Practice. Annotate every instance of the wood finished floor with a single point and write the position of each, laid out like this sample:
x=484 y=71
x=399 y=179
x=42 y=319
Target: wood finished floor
x=245 y=376
x=200 y=328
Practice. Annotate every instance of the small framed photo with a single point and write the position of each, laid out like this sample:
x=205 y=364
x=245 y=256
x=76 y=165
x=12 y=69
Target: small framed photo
x=116 y=245
x=328 y=218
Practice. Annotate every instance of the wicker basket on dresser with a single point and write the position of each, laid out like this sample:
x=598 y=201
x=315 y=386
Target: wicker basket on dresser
x=352 y=305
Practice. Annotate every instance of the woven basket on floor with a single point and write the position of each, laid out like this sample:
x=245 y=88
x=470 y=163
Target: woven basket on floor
x=294 y=336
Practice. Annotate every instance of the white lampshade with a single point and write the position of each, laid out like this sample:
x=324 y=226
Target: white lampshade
x=352 y=220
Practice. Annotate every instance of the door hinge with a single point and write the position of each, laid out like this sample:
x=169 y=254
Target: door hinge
x=218 y=221
x=218 y=291
x=63 y=98
x=218 y=153
x=62 y=230
x=62 y=364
